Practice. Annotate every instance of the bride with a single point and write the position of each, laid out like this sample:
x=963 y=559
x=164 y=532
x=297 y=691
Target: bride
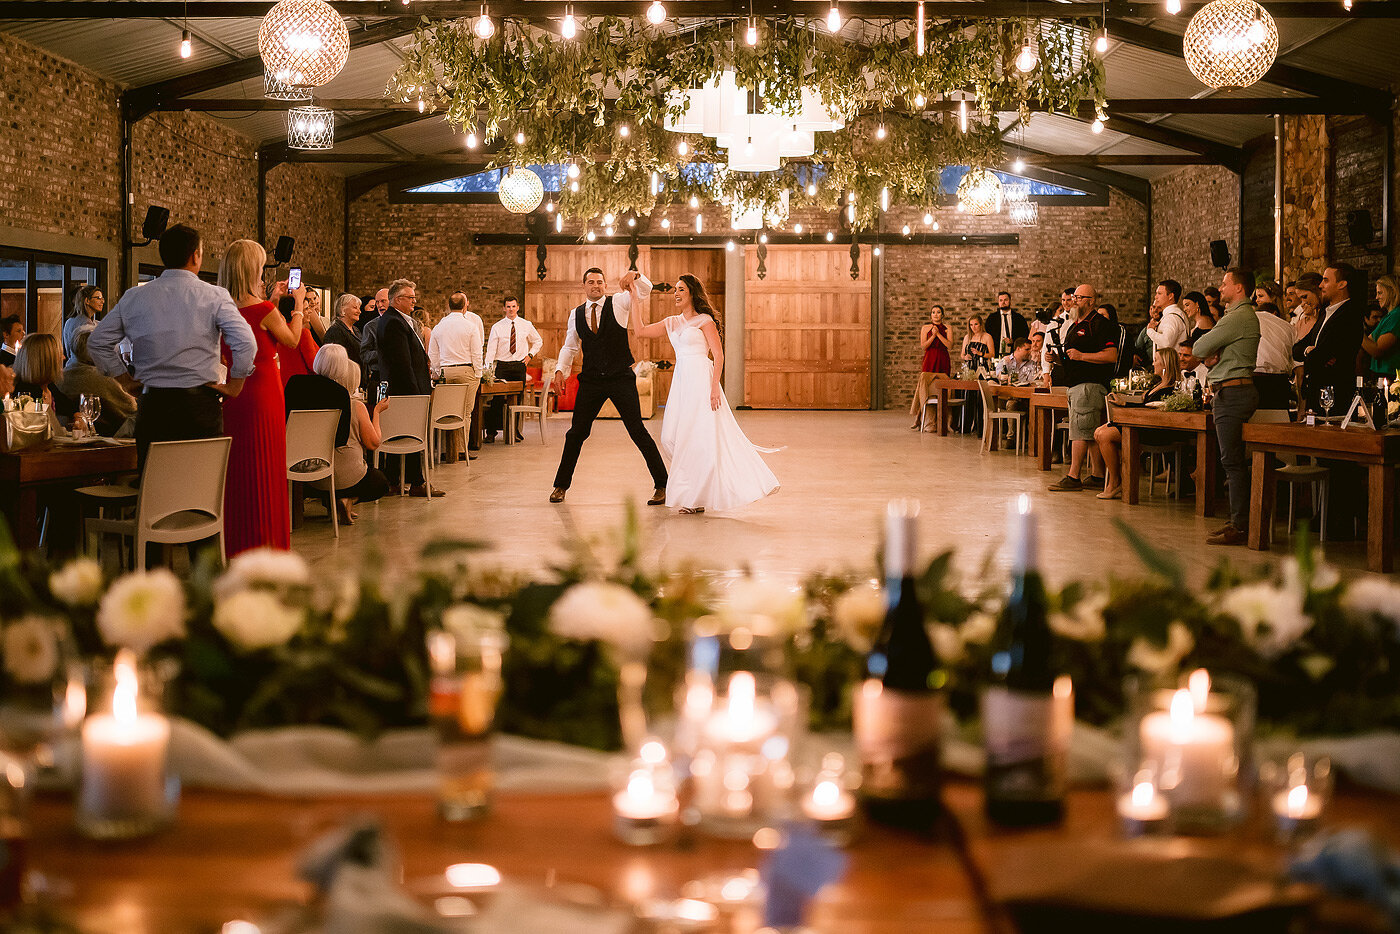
x=712 y=464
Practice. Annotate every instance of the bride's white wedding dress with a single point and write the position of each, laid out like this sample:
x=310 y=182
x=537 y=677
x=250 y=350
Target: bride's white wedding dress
x=712 y=464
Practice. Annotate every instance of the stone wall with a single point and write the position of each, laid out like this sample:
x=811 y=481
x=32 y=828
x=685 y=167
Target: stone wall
x=1305 y=215
x=308 y=202
x=1190 y=208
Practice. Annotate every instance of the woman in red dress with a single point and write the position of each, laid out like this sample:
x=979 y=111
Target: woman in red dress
x=933 y=339
x=257 y=512
x=299 y=360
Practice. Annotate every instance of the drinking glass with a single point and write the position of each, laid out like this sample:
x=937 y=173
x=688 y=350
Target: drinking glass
x=465 y=688
x=92 y=410
x=1328 y=398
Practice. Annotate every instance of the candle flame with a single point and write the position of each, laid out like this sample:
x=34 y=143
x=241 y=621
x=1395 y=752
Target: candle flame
x=1199 y=686
x=742 y=692
x=653 y=752
x=473 y=875
x=1297 y=801
x=826 y=794
x=74 y=702
x=1063 y=687
x=1143 y=793
x=442 y=653
x=1183 y=710
x=124 y=693
x=640 y=786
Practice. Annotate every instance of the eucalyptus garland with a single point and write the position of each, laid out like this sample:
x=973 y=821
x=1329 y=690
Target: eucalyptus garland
x=549 y=100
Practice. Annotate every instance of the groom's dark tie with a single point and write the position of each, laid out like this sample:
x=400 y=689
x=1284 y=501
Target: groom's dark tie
x=593 y=316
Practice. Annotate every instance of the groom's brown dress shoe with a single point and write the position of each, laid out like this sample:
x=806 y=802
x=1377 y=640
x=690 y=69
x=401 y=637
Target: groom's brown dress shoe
x=658 y=497
x=558 y=495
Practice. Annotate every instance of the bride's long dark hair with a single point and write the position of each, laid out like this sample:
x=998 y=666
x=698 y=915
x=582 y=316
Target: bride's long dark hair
x=700 y=301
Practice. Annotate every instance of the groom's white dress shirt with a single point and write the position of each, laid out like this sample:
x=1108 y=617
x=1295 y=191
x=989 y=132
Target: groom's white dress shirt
x=622 y=312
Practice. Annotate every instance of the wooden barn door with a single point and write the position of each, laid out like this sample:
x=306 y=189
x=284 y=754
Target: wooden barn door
x=807 y=329
x=547 y=302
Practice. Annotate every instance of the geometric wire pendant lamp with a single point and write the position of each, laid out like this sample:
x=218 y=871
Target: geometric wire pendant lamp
x=1230 y=43
x=275 y=90
x=979 y=193
x=521 y=191
x=310 y=128
x=303 y=42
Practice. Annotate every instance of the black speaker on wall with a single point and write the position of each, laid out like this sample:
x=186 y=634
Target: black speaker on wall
x=156 y=220
x=1359 y=229
x=283 y=251
x=1219 y=254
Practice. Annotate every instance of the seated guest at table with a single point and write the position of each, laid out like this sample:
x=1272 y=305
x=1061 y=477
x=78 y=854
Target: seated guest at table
x=38 y=367
x=82 y=315
x=257 y=510
x=1231 y=350
x=1090 y=356
x=933 y=344
x=82 y=378
x=1382 y=344
x=1330 y=350
x=174 y=323
x=344 y=330
x=1273 y=369
x=1020 y=367
x=12 y=331
x=977 y=344
x=1166 y=366
x=511 y=347
x=354 y=481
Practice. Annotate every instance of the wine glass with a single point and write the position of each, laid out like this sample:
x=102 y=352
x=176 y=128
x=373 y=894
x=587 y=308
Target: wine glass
x=1328 y=398
x=92 y=410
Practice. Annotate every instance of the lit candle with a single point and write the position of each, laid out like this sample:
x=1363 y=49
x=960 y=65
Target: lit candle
x=1196 y=750
x=744 y=720
x=1296 y=810
x=829 y=802
x=1143 y=807
x=643 y=812
x=124 y=757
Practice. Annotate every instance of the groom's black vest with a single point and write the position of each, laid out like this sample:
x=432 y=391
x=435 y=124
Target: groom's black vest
x=606 y=354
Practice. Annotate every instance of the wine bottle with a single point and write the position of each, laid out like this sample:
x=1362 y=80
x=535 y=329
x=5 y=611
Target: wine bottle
x=1026 y=713
x=899 y=706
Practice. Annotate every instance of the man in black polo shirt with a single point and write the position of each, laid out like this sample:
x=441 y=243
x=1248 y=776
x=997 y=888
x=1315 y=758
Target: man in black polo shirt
x=1091 y=352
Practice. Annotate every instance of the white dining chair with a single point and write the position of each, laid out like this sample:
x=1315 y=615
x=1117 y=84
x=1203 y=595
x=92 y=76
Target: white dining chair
x=311 y=453
x=181 y=500
x=449 y=413
x=992 y=417
x=514 y=413
x=404 y=428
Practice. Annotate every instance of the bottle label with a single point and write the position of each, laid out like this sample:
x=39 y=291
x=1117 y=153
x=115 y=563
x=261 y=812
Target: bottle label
x=1026 y=737
x=899 y=737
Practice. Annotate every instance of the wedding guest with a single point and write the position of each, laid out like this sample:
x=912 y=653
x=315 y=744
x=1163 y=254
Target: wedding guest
x=1374 y=313
x=1167 y=368
x=1172 y=325
x=88 y=303
x=512 y=347
x=1290 y=299
x=1231 y=349
x=1143 y=348
x=82 y=378
x=1091 y=354
x=345 y=330
x=296 y=361
x=934 y=342
x=38 y=367
x=1305 y=315
x=1020 y=367
x=380 y=305
x=174 y=324
x=1330 y=350
x=456 y=353
x=1056 y=327
x=1124 y=363
x=7 y=381
x=1213 y=297
x=367 y=309
x=257 y=510
x=1197 y=309
x=1383 y=343
x=12 y=331
x=977 y=344
x=403 y=364
x=315 y=322
x=1268 y=292
x=1005 y=326
x=1273 y=369
x=355 y=482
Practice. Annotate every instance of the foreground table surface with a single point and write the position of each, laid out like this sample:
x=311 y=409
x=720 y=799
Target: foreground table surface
x=1132 y=419
x=234 y=857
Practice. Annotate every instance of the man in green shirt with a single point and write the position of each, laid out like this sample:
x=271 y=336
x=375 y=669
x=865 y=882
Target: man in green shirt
x=1230 y=350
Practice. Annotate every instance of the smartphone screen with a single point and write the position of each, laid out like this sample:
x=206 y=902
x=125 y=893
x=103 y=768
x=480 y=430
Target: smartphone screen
x=294 y=278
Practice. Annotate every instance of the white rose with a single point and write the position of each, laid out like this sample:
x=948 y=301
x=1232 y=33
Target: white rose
x=858 y=614
x=77 y=583
x=1156 y=659
x=468 y=622
x=609 y=613
x=31 y=650
x=263 y=567
x=142 y=609
x=256 y=619
x=783 y=605
x=979 y=628
x=1324 y=575
x=1374 y=595
x=1083 y=623
x=1271 y=618
x=947 y=642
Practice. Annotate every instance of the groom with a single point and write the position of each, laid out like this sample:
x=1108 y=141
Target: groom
x=598 y=327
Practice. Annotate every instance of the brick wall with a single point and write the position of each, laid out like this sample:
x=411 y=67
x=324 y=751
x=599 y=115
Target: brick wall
x=59 y=142
x=1305 y=159
x=1356 y=183
x=1190 y=208
x=308 y=202
x=1257 y=251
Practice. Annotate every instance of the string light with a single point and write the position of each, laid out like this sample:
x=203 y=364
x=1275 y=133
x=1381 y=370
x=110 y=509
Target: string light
x=1097 y=125
x=797 y=228
x=559 y=223
x=1173 y=7
x=729 y=245
x=919 y=101
x=884 y=199
x=751 y=34
x=1346 y=5
x=811 y=189
x=876 y=251
x=471 y=139
x=763 y=238
x=572 y=170
x=484 y=27
x=1019 y=165
x=1101 y=43
x=880 y=131
x=962 y=115
x=833 y=18
x=568 y=28
x=694 y=201
x=421 y=105
x=655 y=184
x=928 y=218
x=830 y=236
x=683 y=147
x=1025 y=61
x=904 y=230
x=573 y=186
x=608 y=231
x=186 y=46
x=624 y=131
x=608 y=219
x=919 y=27
x=665 y=223
x=935 y=225
x=549 y=207
x=699 y=223
x=656 y=13
x=631 y=222
x=591 y=236
x=520 y=137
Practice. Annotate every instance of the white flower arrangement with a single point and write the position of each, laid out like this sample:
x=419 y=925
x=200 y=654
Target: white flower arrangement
x=469 y=623
x=1270 y=617
x=31 y=651
x=1154 y=659
x=609 y=613
x=783 y=606
x=77 y=583
x=1374 y=595
x=1084 y=622
x=858 y=614
x=252 y=620
x=265 y=568
x=142 y=609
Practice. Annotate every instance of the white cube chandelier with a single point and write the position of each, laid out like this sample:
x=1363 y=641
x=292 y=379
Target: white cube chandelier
x=757 y=139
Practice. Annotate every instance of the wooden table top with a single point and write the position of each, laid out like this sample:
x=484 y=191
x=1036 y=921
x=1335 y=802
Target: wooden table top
x=233 y=857
x=502 y=387
x=54 y=462
x=1351 y=443
x=1050 y=400
x=1140 y=416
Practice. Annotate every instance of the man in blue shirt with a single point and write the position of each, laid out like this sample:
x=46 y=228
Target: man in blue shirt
x=174 y=324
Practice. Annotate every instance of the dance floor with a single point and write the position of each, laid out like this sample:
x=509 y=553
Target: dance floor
x=837 y=471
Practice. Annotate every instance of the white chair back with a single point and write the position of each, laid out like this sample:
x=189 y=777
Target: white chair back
x=311 y=437
x=183 y=476
x=449 y=408
x=405 y=421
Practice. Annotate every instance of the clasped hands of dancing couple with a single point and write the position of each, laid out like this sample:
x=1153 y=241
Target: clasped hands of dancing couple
x=712 y=463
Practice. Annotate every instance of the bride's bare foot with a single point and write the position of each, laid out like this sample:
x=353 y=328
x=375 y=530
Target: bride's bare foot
x=687 y=511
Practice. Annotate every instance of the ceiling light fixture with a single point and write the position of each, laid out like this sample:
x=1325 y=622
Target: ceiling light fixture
x=751 y=34
x=569 y=27
x=484 y=28
x=303 y=42
x=1026 y=59
x=1230 y=43
x=833 y=18
x=656 y=13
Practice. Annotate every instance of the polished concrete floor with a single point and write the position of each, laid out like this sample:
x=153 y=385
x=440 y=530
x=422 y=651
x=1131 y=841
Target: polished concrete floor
x=838 y=469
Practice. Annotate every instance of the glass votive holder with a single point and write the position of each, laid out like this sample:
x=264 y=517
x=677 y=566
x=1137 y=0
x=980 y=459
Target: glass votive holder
x=125 y=787
x=1141 y=806
x=464 y=691
x=1299 y=790
x=1200 y=733
x=646 y=810
x=828 y=803
x=14 y=831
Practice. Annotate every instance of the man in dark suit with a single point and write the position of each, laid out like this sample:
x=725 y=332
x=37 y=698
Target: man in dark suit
x=12 y=332
x=1006 y=326
x=403 y=364
x=1328 y=353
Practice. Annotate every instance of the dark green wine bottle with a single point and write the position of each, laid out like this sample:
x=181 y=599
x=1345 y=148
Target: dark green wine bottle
x=899 y=705
x=1027 y=712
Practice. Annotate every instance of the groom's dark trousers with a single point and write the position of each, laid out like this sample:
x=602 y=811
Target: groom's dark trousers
x=592 y=393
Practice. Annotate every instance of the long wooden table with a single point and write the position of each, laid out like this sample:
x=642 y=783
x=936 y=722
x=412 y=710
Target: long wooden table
x=233 y=857
x=1132 y=419
x=509 y=389
x=25 y=474
x=1045 y=406
x=1378 y=451
x=945 y=388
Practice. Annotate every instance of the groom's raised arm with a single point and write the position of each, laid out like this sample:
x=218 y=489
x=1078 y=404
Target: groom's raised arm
x=622 y=301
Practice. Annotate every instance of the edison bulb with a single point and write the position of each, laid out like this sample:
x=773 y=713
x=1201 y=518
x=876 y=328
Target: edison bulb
x=573 y=186
x=833 y=19
x=683 y=147
x=797 y=228
x=520 y=137
x=751 y=34
x=665 y=223
x=729 y=245
x=699 y=223
x=876 y=251
x=811 y=189
x=904 y=230
x=484 y=27
x=830 y=236
x=568 y=28
x=884 y=199
x=592 y=236
x=1097 y=125
x=935 y=225
x=694 y=201
x=656 y=13
x=186 y=47
x=559 y=223
x=573 y=170
x=549 y=207
x=919 y=101
x=471 y=140
x=1173 y=7
x=624 y=131
x=608 y=219
x=1101 y=43
x=1019 y=165
x=880 y=131
x=1025 y=61
x=928 y=218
